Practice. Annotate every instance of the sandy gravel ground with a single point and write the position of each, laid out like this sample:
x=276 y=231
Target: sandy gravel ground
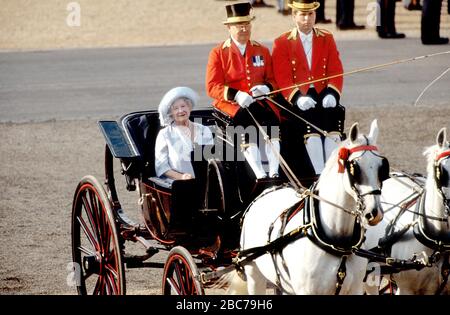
x=31 y=24
x=41 y=163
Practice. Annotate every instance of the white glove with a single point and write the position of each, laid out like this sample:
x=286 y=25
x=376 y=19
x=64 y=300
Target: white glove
x=305 y=102
x=243 y=99
x=329 y=101
x=260 y=90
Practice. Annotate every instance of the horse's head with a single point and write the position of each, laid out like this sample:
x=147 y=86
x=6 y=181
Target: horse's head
x=363 y=171
x=439 y=166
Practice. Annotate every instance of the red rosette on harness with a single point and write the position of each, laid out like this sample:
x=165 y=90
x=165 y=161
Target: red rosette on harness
x=344 y=153
x=342 y=158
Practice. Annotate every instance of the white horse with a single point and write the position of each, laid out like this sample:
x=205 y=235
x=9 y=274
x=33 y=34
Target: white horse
x=311 y=239
x=417 y=224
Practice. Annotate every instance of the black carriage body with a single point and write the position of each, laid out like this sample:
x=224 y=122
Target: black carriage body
x=189 y=212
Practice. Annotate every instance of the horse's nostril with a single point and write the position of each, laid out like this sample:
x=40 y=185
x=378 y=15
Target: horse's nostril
x=372 y=215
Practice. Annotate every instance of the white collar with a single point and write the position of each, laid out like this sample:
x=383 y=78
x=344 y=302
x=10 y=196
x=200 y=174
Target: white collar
x=240 y=46
x=306 y=37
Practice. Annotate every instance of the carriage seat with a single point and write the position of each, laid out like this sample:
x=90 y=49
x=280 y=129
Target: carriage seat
x=142 y=129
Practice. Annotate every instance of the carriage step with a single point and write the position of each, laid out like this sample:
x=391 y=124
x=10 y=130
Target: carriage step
x=149 y=248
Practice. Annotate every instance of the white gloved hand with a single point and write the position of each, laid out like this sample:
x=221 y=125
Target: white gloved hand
x=260 y=90
x=329 y=101
x=305 y=102
x=243 y=99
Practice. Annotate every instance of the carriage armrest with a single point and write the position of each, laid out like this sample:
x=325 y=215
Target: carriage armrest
x=161 y=182
x=116 y=139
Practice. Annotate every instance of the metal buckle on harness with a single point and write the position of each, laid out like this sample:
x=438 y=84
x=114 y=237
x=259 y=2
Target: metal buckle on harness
x=202 y=278
x=390 y=261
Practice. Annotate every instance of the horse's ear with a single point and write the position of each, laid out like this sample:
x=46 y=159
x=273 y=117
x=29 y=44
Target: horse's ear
x=354 y=131
x=441 y=138
x=373 y=133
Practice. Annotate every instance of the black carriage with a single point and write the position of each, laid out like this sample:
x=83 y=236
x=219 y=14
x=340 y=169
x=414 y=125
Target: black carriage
x=181 y=217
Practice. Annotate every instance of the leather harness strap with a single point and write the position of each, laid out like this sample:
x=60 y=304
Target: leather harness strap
x=340 y=275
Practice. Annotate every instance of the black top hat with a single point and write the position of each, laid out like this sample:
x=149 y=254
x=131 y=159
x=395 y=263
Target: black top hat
x=238 y=13
x=304 y=5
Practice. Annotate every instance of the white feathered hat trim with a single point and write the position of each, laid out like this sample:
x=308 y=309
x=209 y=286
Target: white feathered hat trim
x=170 y=97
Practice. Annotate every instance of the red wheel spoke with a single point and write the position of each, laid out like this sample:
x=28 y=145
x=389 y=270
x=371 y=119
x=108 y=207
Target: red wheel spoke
x=86 y=251
x=180 y=273
x=111 y=270
x=88 y=234
x=92 y=220
x=108 y=239
x=98 y=286
x=106 y=288
x=98 y=215
x=111 y=259
x=173 y=285
x=187 y=280
x=105 y=233
x=111 y=282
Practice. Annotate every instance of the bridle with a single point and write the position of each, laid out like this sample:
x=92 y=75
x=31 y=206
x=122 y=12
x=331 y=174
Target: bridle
x=439 y=175
x=353 y=172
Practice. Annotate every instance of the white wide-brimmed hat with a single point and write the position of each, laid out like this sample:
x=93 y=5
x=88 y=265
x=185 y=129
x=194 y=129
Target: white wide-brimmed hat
x=170 y=97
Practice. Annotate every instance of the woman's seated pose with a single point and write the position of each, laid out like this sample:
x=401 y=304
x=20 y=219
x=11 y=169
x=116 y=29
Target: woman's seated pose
x=177 y=139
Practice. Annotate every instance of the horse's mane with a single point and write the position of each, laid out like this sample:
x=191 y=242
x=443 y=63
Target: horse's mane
x=430 y=153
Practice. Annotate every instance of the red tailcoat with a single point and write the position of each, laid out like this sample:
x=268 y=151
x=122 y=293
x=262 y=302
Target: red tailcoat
x=291 y=66
x=229 y=72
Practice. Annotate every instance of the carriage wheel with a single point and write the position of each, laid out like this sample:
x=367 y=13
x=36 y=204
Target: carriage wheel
x=95 y=244
x=181 y=274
